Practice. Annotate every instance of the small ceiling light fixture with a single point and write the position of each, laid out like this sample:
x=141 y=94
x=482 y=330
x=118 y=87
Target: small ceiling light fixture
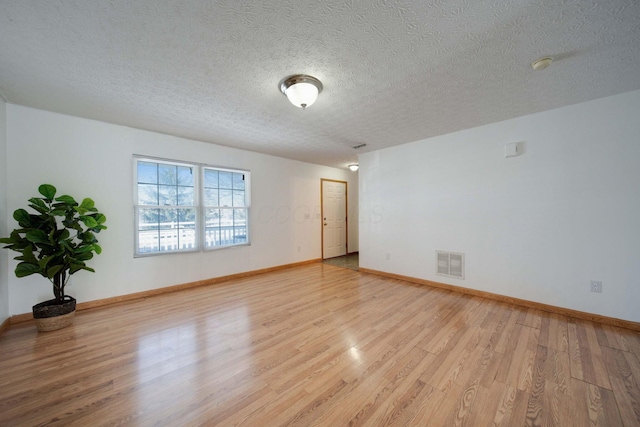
x=302 y=90
x=542 y=63
x=354 y=167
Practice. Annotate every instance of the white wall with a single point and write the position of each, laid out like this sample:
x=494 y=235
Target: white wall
x=4 y=254
x=86 y=158
x=537 y=227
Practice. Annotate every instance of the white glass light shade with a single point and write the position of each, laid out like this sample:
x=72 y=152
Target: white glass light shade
x=301 y=90
x=354 y=167
x=302 y=95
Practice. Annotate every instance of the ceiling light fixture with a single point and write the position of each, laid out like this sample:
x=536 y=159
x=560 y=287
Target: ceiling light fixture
x=542 y=63
x=301 y=90
x=354 y=167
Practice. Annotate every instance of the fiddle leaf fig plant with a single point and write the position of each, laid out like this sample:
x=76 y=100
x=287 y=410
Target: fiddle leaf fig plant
x=57 y=240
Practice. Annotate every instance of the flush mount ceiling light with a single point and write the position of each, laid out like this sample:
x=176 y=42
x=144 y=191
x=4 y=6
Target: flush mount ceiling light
x=354 y=167
x=542 y=63
x=301 y=90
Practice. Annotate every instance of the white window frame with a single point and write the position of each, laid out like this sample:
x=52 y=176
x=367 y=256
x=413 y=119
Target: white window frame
x=198 y=185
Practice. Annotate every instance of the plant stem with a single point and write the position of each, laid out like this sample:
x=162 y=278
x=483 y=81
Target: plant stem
x=58 y=286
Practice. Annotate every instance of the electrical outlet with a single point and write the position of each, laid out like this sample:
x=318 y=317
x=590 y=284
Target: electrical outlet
x=596 y=286
x=387 y=256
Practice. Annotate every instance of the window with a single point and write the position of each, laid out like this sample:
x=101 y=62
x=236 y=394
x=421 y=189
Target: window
x=225 y=212
x=189 y=207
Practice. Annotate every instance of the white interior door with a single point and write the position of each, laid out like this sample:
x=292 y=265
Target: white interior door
x=334 y=218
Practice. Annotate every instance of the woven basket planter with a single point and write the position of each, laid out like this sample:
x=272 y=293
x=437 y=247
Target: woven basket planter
x=51 y=316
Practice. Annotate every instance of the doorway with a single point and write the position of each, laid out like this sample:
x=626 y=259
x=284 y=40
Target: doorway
x=350 y=261
x=334 y=218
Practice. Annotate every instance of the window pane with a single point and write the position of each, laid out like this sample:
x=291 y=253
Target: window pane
x=226 y=217
x=212 y=217
x=168 y=239
x=187 y=217
x=148 y=230
x=185 y=196
x=210 y=178
x=238 y=181
x=167 y=174
x=185 y=176
x=239 y=217
x=167 y=195
x=226 y=226
x=187 y=228
x=147 y=173
x=238 y=198
x=210 y=197
x=226 y=198
x=225 y=180
x=147 y=194
x=212 y=227
x=167 y=217
x=239 y=226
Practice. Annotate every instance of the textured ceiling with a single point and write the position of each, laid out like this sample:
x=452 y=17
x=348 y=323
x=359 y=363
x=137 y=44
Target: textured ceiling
x=393 y=71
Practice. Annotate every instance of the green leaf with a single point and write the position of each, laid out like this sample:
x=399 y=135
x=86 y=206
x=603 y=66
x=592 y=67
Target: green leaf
x=89 y=221
x=44 y=261
x=76 y=267
x=83 y=256
x=97 y=248
x=67 y=200
x=8 y=240
x=38 y=204
x=65 y=244
x=100 y=218
x=22 y=216
x=69 y=222
x=88 y=204
x=48 y=191
x=26 y=269
x=37 y=236
x=63 y=234
x=87 y=237
x=39 y=209
x=83 y=249
x=27 y=255
x=38 y=201
x=54 y=270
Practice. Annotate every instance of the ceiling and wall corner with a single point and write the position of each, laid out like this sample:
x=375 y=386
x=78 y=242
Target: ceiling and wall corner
x=393 y=71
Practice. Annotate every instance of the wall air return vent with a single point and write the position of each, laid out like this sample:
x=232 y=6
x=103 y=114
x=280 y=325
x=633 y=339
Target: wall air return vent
x=450 y=264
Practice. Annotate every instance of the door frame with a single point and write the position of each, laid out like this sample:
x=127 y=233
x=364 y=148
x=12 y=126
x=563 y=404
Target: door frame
x=346 y=213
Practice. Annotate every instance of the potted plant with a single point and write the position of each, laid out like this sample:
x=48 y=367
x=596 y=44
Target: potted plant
x=55 y=242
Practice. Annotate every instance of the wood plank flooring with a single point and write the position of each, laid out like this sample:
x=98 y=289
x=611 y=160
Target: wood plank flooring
x=319 y=345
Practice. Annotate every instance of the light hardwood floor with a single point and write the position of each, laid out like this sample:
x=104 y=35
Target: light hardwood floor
x=320 y=345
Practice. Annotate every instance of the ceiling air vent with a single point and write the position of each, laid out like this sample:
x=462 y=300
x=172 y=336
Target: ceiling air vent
x=450 y=264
